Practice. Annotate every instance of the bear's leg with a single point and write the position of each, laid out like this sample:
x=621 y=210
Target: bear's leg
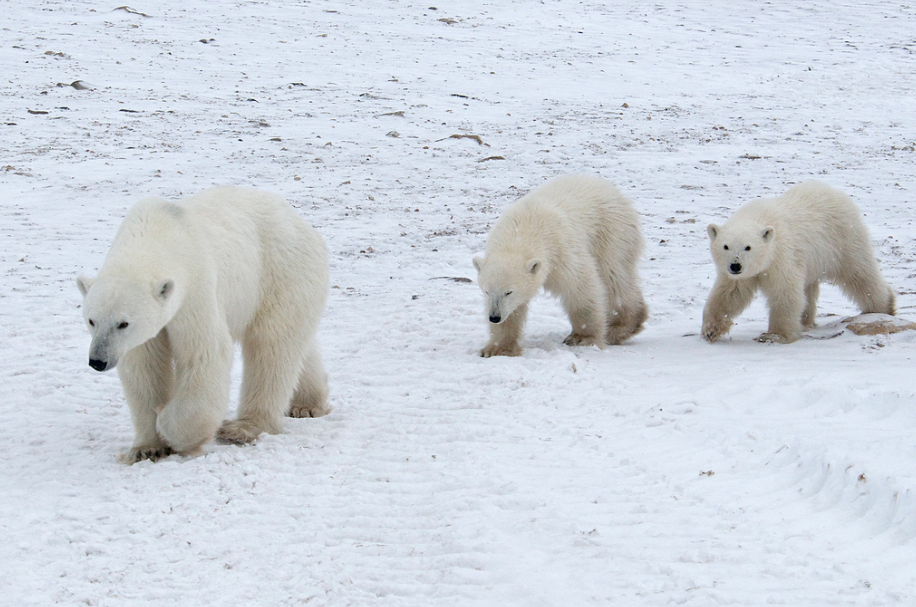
x=809 y=316
x=203 y=364
x=628 y=309
x=311 y=397
x=505 y=335
x=148 y=380
x=273 y=358
x=583 y=296
x=727 y=301
x=861 y=281
x=787 y=304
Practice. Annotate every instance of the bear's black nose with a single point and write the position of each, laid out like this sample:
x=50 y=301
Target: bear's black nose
x=98 y=365
x=735 y=268
x=495 y=319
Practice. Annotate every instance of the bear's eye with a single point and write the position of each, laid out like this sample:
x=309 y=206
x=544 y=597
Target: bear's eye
x=725 y=247
x=123 y=325
x=747 y=248
x=508 y=293
x=91 y=323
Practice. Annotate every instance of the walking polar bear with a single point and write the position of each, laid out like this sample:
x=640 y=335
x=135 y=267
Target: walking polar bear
x=181 y=283
x=577 y=237
x=785 y=246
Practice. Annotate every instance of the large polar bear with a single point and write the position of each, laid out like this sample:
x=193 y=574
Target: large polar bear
x=785 y=246
x=181 y=283
x=577 y=237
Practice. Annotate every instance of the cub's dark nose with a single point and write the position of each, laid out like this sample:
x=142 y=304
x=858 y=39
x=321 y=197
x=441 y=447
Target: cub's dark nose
x=735 y=268
x=98 y=365
x=495 y=319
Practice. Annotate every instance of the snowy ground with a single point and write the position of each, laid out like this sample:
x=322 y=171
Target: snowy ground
x=666 y=471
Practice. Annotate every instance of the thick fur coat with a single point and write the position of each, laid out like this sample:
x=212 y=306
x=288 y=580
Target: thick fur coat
x=185 y=280
x=577 y=237
x=785 y=247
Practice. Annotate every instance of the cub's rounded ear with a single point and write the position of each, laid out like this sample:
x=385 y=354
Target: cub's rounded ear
x=713 y=231
x=164 y=289
x=534 y=265
x=478 y=263
x=84 y=283
x=768 y=233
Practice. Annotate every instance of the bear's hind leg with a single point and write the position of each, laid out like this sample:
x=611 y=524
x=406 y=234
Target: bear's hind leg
x=272 y=362
x=311 y=396
x=626 y=322
x=628 y=310
x=861 y=281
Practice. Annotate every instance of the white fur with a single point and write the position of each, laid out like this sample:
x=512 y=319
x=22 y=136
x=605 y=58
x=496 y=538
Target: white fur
x=577 y=237
x=183 y=282
x=785 y=247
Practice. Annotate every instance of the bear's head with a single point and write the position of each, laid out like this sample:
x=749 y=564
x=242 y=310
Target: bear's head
x=122 y=314
x=508 y=283
x=741 y=250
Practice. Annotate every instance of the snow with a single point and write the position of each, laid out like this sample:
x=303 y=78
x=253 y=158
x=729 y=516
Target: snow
x=665 y=471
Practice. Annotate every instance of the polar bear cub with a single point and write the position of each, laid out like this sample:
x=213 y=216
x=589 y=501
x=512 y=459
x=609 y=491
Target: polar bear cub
x=183 y=282
x=784 y=247
x=577 y=237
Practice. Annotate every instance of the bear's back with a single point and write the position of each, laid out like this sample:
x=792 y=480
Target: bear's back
x=814 y=222
x=810 y=207
x=573 y=206
x=256 y=238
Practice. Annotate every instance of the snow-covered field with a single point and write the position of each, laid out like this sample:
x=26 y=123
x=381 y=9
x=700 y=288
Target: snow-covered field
x=666 y=471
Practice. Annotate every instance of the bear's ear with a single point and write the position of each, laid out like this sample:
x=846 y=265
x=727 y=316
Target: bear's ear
x=84 y=283
x=713 y=231
x=478 y=263
x=534 y=265
x=164 y=289
x=768 y=233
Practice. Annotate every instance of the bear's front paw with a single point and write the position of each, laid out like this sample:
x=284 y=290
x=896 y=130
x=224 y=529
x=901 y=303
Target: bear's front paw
x=713 y=330
x=498 y=349
x=309 y=410
x=150 y=452
x=577 y=339
x=808 y=322
x=617 y=334
x=773 y=338
x=239 y=431
x=180 y=433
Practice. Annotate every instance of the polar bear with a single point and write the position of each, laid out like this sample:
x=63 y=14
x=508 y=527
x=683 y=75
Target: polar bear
x=577 y=237
x=183 y=282
x=785 y=246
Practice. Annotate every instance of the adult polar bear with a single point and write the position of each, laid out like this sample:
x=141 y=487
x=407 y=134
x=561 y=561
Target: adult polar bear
x=785 y=246
x=181 y=283
x=579 y=238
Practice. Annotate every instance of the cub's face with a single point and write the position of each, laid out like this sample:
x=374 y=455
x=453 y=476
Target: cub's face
x=123 y=314
x=741 y=251
x=507 y=284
